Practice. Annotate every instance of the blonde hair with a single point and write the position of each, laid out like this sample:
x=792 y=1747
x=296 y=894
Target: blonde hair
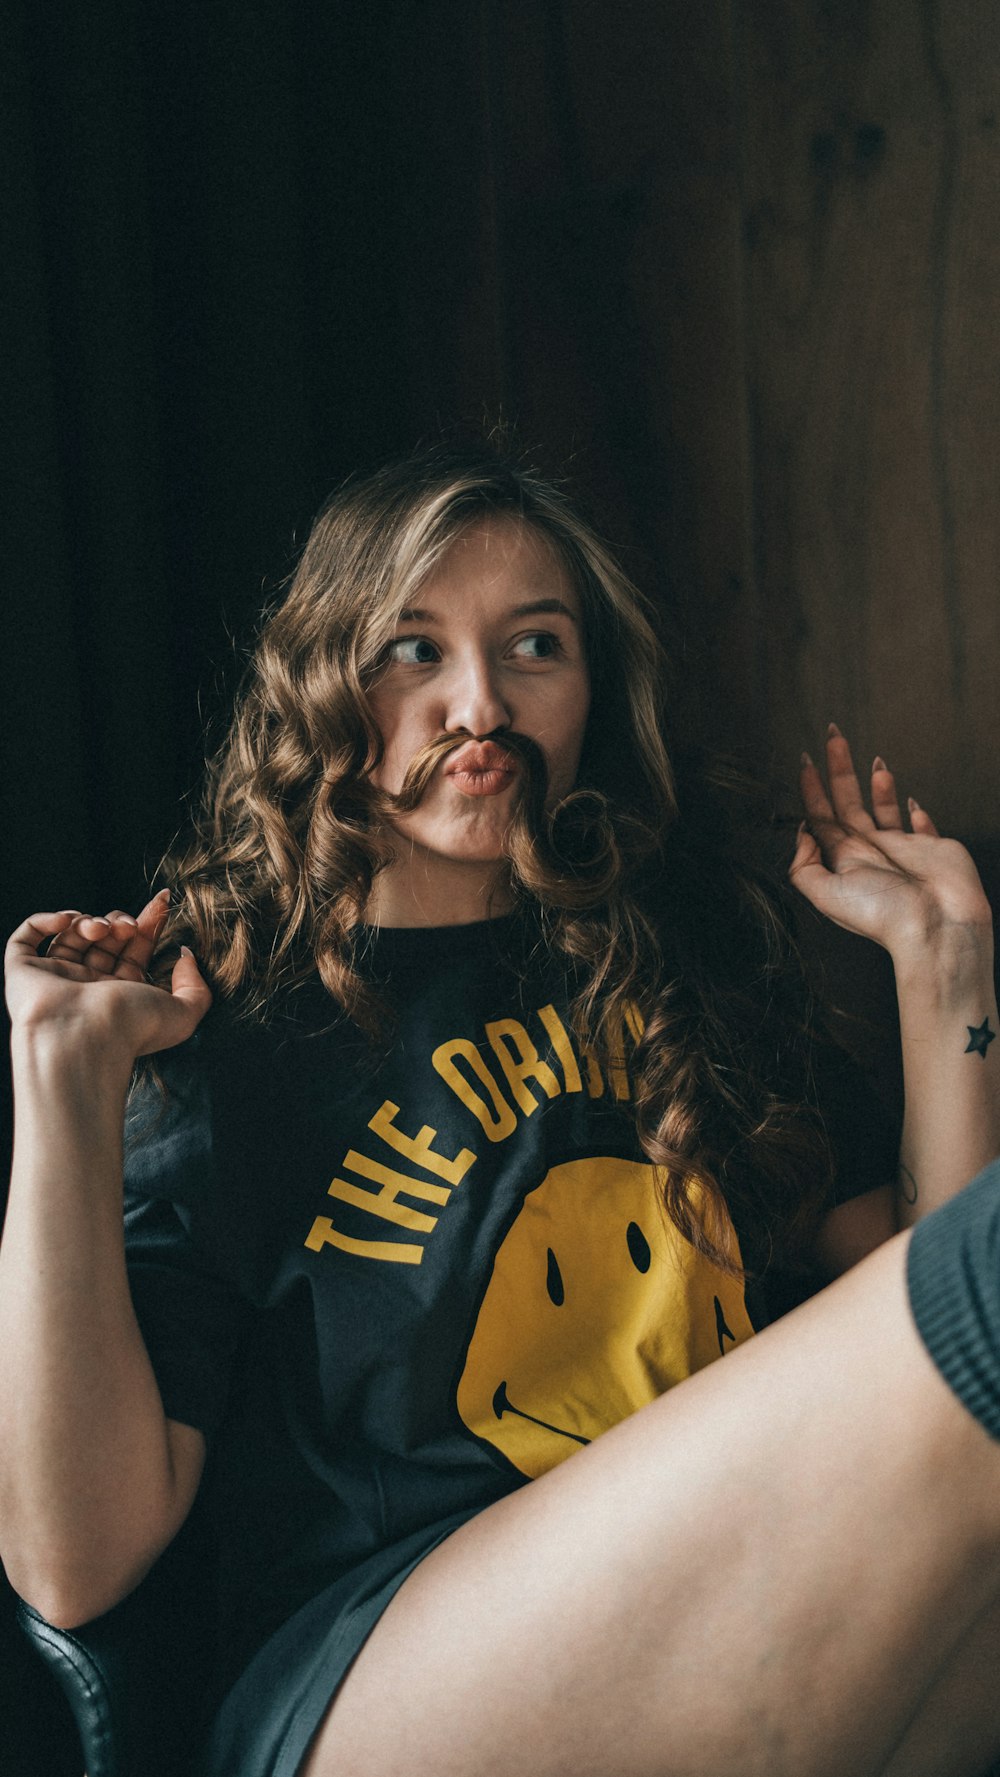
x=273 y=885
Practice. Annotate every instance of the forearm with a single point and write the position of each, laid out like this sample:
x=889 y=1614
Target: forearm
x=951 y=1069
x=87 y=1494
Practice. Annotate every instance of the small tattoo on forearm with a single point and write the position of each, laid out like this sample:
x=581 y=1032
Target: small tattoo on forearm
x=907 y=1184
x=980 y=1038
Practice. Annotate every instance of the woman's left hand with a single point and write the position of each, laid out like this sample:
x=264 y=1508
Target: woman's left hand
x=905 y=890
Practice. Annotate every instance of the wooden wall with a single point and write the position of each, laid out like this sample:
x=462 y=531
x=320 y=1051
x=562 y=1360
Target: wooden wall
x=740 y=259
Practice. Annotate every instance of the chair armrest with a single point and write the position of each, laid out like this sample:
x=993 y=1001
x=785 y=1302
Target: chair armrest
x=138 y=1679
x=88 y=1687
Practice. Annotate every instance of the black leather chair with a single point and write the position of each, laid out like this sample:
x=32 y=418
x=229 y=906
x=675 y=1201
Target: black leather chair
x=138 y=1680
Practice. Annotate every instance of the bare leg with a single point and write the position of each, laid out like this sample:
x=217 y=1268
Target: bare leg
x=769 y=1572
x=957 y=1729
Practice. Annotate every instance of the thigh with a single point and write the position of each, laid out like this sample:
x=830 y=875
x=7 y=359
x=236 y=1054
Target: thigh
x=764 y=1573
x=956 y=1731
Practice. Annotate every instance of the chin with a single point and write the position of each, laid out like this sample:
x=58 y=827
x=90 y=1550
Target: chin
x=478 y=857
x=426 y=853
x=459 y=842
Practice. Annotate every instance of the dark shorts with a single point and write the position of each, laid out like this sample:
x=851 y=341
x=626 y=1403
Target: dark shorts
x=269 y=1717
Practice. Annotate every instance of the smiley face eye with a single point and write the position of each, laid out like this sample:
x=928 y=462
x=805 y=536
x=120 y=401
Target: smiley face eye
x=553 y=1281
x=638 y=1247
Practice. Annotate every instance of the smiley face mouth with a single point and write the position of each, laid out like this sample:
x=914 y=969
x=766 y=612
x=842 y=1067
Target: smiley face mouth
x=503 y=1404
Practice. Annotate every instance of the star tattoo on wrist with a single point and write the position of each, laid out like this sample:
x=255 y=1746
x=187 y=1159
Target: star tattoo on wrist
x=980 y=1038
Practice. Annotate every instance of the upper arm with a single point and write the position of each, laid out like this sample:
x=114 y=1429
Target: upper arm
x=848 y=1233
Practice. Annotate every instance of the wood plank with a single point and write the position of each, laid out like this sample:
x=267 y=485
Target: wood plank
x=623 y=262
x=872 y=174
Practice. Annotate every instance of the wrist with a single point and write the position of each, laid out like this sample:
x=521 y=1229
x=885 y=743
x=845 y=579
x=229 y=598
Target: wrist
x=947 y=959
x=947 y=987
x=60 y=1057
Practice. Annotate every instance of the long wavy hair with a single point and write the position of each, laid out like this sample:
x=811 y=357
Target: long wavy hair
x=637 y=877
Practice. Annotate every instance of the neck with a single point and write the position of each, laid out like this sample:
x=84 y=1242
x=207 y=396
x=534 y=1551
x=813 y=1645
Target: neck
x=423 y=890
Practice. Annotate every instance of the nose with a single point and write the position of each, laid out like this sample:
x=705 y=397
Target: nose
x=474 y=699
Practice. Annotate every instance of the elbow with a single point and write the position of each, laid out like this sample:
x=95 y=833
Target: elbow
x=59 y=1610
x=60 y=1606
x=68 y=1601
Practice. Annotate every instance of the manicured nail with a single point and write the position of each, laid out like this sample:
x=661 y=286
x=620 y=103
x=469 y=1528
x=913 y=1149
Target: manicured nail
x=186 y=952
x=805 y=760
x=164 y=895
x=913 y=805
x=833 y=732
x=878 y=763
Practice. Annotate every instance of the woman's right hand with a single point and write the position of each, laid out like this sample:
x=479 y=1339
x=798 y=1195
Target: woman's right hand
x=91 y=985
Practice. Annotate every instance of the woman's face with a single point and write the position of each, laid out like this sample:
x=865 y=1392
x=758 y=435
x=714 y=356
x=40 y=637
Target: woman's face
x=494 y=641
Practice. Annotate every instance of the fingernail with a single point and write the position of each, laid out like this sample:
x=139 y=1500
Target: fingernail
x=913 y=805
x=833 y=732
x=878 y=763
x=164 y=895
x=805 y=760
x=186 y=952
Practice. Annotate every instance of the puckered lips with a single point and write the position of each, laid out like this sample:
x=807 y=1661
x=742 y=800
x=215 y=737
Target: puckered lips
x=481 y=768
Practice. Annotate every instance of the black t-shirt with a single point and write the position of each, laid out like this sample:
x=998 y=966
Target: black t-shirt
x=392 y=1282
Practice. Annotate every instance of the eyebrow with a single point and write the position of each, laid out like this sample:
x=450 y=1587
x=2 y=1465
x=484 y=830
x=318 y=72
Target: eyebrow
x=550 y=607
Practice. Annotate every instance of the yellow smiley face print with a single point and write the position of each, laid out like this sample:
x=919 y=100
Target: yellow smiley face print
x=596 y=1305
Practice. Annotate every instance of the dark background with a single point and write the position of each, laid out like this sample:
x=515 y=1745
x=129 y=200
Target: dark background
x=734 y=262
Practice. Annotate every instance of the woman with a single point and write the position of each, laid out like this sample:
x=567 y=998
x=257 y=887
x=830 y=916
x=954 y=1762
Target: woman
x=396 y=1245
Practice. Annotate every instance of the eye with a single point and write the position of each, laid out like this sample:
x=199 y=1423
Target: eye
x=540 y=645
x=412 y=651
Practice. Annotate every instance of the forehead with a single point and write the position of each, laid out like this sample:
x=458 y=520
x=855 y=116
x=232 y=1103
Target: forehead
x=493 y=565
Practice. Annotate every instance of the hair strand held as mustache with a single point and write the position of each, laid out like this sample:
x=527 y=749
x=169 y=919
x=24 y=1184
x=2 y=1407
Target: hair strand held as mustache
x=566 y=856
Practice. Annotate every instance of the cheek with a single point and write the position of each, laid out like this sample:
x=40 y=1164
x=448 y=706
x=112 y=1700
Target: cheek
x=573 y=730
x=394 y=724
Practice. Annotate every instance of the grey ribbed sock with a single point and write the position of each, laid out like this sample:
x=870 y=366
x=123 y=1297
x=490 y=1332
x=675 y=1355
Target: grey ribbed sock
x=953 y=1274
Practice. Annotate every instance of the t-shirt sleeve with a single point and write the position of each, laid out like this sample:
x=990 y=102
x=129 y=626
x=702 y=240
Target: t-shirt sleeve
x=191 y=1313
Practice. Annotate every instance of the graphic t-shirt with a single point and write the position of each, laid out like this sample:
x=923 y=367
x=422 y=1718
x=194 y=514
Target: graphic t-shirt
x=392 y=1282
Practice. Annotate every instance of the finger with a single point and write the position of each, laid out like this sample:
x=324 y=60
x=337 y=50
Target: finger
x=845 y=791
x=190 y=998
x=807 y=872
x=176 y=1013
x=131 y=940
x=128 y=950
x=920 y=820
x=97 y=943
x=154 y=913
x=32 y=933
x=149 y=925
x=130 y=945
x=105 y=945
x=123 y=930
x=885 y=804
x=72 y=944
x=814 y=796
x=807 y=855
